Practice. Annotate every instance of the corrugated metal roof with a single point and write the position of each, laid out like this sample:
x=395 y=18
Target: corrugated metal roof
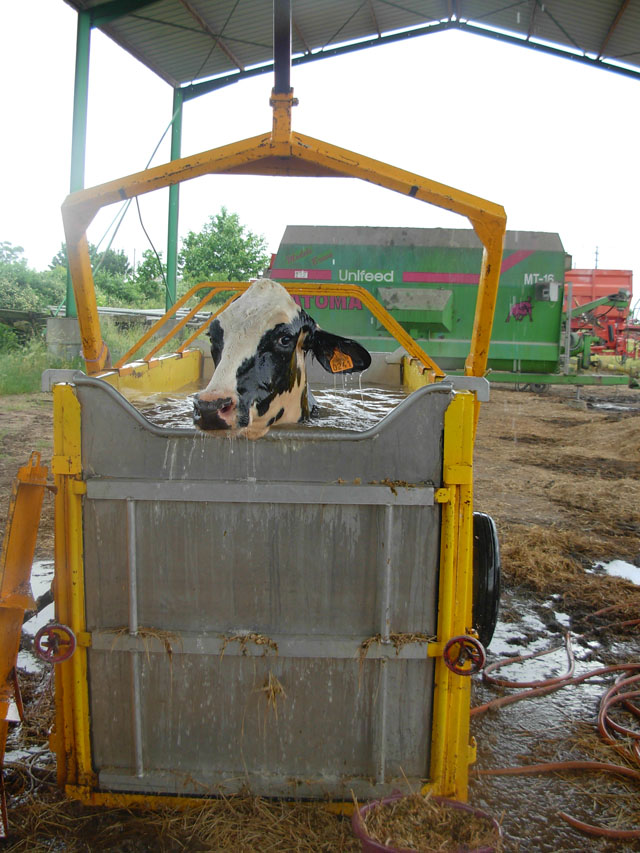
x=208 y=43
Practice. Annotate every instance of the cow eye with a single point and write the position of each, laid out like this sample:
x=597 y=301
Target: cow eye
x=285 y=340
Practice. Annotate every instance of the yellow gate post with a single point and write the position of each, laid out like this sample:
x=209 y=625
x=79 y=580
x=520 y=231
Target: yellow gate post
x=71 y=740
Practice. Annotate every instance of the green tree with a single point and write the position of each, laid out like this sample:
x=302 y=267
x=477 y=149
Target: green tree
x=10 y=254
x=60 y=258
x=23 y=288
x=150 y=275
x=224 y=250
x=112 y=261
x=112 y=274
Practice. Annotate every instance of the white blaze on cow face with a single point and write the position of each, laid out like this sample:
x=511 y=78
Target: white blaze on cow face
x=258 y=345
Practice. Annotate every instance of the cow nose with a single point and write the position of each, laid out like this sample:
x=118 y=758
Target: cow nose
x=214 y=411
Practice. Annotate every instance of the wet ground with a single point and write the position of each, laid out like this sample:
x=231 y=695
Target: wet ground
x=556 y=727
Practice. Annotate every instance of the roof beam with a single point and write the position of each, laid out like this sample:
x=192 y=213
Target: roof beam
x=205 y=26
x=615 y=23
x=532 y=19
x=374 y=18
x=300 y=35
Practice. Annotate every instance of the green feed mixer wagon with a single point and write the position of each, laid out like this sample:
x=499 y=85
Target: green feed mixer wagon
x=428 y=278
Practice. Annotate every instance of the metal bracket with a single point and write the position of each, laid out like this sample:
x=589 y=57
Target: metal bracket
x=478 y=384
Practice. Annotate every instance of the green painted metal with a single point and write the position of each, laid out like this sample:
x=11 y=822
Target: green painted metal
x=79 y=126
x=174 y=203
x=428 y=279
x=560 y=378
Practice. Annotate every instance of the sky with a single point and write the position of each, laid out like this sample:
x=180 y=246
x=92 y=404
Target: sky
x=553 y=141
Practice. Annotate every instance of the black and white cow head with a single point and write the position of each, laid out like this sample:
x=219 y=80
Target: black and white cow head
x=258 y=345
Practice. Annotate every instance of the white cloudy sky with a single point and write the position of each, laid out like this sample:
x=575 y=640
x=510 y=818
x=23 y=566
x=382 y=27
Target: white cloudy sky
x=551 y=140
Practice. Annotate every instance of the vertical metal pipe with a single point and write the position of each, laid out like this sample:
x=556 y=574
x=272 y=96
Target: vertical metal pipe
x=79 y=125
x=385 y=568
x=136 y=704
x=136 y=699
x=132 y=566
x=174 y=203
x=281 y=46
x=381 y=752
x=567 y=329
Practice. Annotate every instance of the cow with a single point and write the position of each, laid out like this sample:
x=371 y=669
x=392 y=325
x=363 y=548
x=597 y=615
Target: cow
x=258 y=346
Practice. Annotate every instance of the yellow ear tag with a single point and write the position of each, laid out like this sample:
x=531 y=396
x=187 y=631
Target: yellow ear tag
x=340 y=362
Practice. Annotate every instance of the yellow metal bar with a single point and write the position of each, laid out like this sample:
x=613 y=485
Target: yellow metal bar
x=492 y=236
x=71 y=739
x=19 y=543
x=450 y=749
x=16 y=558
x=94 y=350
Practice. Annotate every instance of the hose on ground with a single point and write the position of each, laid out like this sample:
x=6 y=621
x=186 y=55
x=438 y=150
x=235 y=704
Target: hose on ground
x=625 y=688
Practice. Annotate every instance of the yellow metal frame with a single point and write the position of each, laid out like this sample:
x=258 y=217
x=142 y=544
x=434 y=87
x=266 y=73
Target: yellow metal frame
x=280 y=152
x=71 y=736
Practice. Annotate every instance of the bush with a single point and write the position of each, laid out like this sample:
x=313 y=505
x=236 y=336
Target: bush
x=17 y=295
x=9 y=339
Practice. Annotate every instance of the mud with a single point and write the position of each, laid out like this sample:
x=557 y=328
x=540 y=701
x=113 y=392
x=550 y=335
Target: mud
x=561 y=481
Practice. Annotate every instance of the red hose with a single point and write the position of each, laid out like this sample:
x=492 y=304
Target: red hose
x=540 y=683
x=602 y=831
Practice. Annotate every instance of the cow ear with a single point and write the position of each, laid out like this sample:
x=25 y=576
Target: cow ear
x=337 y=354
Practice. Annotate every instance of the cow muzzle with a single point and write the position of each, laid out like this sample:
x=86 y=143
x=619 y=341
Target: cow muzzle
x=215 y=411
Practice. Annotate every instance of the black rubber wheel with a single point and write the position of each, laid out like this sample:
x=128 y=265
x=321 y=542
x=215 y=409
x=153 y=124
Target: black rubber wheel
x=486 y=576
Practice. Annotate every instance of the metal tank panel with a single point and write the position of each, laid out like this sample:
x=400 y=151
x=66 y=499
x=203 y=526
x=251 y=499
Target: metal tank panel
x=230 y=587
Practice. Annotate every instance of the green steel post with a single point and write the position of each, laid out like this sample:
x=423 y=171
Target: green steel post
x=174 y=203
x=79 y=129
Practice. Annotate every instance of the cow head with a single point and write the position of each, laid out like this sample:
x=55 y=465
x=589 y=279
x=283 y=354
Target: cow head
x=258 y=345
